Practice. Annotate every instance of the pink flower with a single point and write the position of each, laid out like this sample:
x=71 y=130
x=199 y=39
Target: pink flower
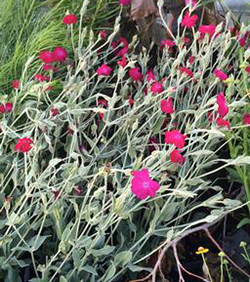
x=124 y=2
x=167 y=105
x=47 y=57
x=222 y=107
x=135 y=74
x=246 y=119
x=209 y=29
x=23 y=145
x=167 y=43
x=78 y=190
x=56 y=194
x=124 y=44
x=186 y=40
x=54 y=112
x=156 y=88
x=220 y=74
x=142 y=185
x=123 y=62
x=223 y=123
x=176 y=138
x=176 y=157
x=189 y=21
x=210 y=117
x=15 y=84
x=41 y=78
x=70 y=19
x=104 y=70
x=2 y=109
x=131 y=101
x=102 y=102
x=191 y=59
x=187 y=71
x=247 y=69
x=242 y=41
x=150 y=76
x=8 y=107
x=60 y=54
x=103 y=34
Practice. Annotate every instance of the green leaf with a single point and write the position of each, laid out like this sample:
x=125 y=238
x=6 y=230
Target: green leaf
x=106 y=250
x=109 y=273
x=89 y=269
x=33 y=244
x=36 y=242
x=63 y=279
x=136 y=268
x=12 y=275
x=243 y=222
x=123 y=258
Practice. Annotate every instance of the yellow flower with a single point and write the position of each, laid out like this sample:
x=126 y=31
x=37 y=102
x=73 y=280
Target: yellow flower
x=201 y=250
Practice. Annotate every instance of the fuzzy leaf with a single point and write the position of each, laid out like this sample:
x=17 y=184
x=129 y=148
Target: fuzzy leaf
x=109 y=273
x=106 y=250
x=123 y=258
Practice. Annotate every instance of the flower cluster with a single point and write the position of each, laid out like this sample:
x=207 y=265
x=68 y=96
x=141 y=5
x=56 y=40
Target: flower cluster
x=59 y=54
x=6 y=108
x=23 y=145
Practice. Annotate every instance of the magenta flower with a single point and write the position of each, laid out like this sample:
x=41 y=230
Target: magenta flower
x=246 y=119
x=2 y=109
x=15 y=84
x=209 y=29
x=167 y=43
x=222 y=106
x=102 y=102
x=103 y=34
x=8 y=107
x=124 y=44
x=247 y=69
x=242 y=41
x=104 y=70
x=131 y=101
x=47 y=57
x=124 y=2
x=150 y=76
x=40 y=78
x=189 y=21
x=167 y=106
x=60 y=54
x=54 y=112
x=220 y=74
x=23 y=144
x=223 y=123
x=187 y=71
x=142 y=185
x=70 y=19
x=176 y=138
x=156 y=87
x=176 y=157
x=191 y=59
x=123 y=62
x=135 y=74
